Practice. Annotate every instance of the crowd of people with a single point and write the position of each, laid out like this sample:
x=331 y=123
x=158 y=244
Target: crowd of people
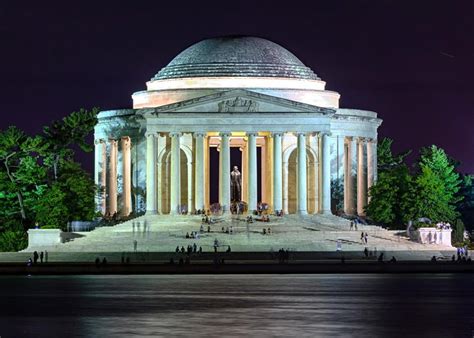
x=283 y=255
x=42 y=257
x=443 y=225
x=189 y=250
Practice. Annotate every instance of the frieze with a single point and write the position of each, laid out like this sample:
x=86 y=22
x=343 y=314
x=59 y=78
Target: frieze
x=237 y=105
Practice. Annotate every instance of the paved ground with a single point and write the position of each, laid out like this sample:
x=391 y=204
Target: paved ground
x=164 y=233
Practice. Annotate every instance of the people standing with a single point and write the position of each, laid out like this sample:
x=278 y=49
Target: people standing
x=46 y=256
x=135 y=245
x=41 y=257
x=352 y=225
x=35 y=257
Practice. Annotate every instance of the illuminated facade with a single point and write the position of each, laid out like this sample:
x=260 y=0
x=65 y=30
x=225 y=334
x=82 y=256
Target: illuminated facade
x=243 y=92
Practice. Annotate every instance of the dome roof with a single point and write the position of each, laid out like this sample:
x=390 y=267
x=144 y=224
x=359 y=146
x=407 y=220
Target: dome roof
x=235 y=56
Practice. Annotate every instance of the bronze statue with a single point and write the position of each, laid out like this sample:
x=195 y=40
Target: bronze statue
x=235 y=185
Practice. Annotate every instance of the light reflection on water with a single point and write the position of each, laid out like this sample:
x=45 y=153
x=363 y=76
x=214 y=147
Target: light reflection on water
x=238 y=305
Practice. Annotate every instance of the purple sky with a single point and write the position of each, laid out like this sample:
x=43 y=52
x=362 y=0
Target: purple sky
x=410 y=61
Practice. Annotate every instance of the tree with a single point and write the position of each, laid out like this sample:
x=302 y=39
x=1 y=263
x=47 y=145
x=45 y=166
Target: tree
x=444 y=168
x=466 y=206
x=429 y=198
x=385 y=157
x=458 y=233
x=72 y=129
x=51 y=210
x=39 y=181
x=80 y=191
x=437 y=186
x=20 y=169
x=392 y=186
x=13 y=240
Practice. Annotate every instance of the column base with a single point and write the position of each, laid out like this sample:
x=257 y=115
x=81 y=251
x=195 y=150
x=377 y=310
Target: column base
x=151 y=212
x=326 y=212
x=302 y=212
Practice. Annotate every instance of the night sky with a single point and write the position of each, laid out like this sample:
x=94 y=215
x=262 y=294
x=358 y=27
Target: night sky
x=410 y=61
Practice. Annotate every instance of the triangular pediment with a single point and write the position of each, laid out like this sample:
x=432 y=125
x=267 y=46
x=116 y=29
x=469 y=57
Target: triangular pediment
x=240 y=101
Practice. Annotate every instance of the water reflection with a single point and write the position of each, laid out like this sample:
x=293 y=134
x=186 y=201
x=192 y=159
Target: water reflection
x=237 y=305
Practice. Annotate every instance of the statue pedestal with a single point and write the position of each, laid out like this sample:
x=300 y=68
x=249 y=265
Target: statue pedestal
x=433 y=236
x=44 y=237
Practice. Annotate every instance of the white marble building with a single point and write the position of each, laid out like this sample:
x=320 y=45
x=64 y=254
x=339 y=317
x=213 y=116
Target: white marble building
x=243 y=92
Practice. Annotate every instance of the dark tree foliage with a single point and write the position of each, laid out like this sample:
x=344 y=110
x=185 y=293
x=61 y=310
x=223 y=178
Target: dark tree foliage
x=432 y=189
x=39 y=180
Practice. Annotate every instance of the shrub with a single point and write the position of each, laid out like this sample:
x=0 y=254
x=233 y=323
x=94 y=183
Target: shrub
x=11 y=241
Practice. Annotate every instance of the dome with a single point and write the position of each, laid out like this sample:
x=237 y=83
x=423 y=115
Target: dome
x=235 y=56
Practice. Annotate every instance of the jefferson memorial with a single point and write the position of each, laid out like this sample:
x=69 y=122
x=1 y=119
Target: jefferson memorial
x=297 y=151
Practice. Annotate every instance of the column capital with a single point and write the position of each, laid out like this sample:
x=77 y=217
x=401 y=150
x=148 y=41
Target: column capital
x=251 y=133
x=350 y=138
x=175 y=134
x=371 y=140
x=362 y=140
x=324 y=133
x=125 y=138
x=224 y=134
x=99 y=141
x=276 y=133
x=199 y=134
x=112 y=141
x=150 y=133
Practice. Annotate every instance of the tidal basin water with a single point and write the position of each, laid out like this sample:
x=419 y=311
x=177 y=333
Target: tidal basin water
x=421 y=305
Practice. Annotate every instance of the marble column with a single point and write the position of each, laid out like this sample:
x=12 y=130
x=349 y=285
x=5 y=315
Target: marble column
x=370 y=168
x=151 y=173
x=326 y=174
x=350 y=176
x=340 y=173
x=100 y=174
x=113 y=177
x=199 y=172
x=285 y=187
x=302 y=181
x=103 y=176
x=190 y=187
x=361 y=178
x=97 y=162
x=224 y=161
x=125 y=145
x=175 y=194
x=374 y=160
x=244 y=172
x=160 y=176
x=277 y=173
x=252 y=172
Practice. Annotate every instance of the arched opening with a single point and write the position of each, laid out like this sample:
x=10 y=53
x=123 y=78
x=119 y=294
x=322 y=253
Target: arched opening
x=312 y=174
x=165 y=181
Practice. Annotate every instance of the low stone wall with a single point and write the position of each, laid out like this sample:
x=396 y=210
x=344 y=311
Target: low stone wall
x=44 y=237
x=433 y=236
